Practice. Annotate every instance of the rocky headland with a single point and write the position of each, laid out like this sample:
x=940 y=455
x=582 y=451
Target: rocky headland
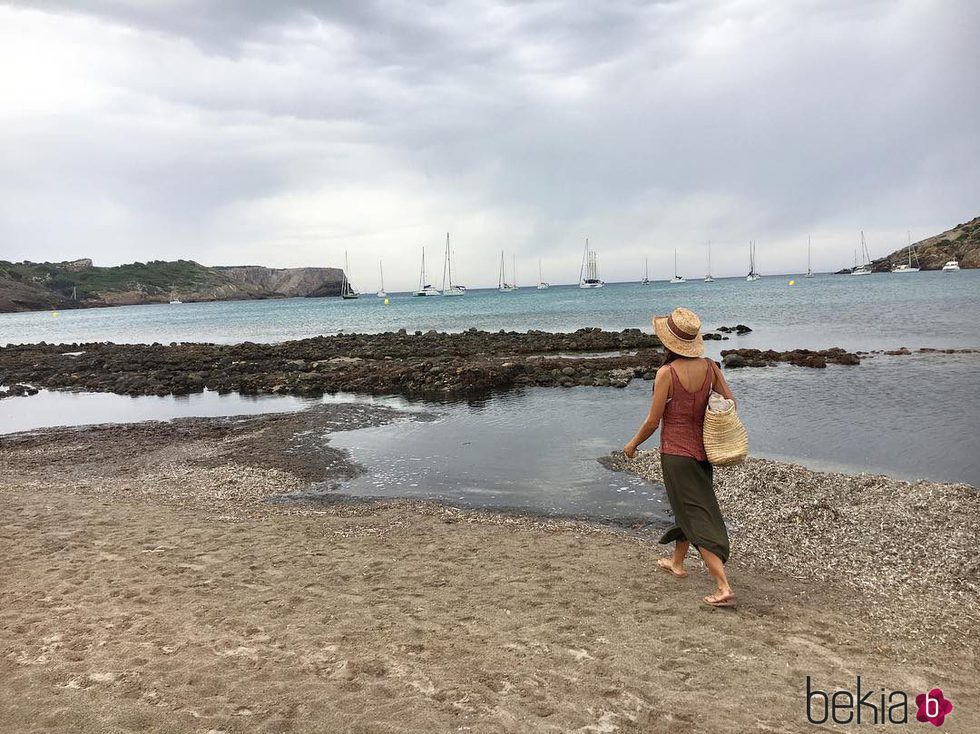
x=28 y=286
x=961 y=243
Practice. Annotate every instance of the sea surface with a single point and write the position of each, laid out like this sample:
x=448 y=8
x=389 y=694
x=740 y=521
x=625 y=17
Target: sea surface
x=912 y=417
x=928 y=309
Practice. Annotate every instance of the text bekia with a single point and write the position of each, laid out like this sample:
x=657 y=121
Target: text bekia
x=872 y=705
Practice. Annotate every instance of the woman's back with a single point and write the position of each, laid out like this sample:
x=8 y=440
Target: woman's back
x=682 y=432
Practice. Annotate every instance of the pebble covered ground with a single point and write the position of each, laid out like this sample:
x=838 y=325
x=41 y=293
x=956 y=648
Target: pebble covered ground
x=908 y=549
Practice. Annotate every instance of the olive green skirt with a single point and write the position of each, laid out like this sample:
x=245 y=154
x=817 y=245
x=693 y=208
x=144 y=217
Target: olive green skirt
x=692 y=498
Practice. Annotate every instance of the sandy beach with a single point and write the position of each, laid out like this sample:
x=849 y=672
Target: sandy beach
x=149 y=586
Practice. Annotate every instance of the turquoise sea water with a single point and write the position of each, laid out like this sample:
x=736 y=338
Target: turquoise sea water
x=879 y=311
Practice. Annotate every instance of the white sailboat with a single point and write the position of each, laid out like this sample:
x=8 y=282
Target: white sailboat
x=502 y=285
x=753 y=275
x=382 y=293
x=347 y=291
x=448 y=289
x=676 y=279
x=809 y=269
x=542 y=286
x=865 y=267
x=424 y=288
x=646 y=271
x=174 y=301
x=907 y=267
x=709 y=278
x=589 y=273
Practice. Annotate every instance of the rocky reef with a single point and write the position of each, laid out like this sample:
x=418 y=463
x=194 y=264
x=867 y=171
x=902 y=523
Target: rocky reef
x=429 y=364
x=799 y=357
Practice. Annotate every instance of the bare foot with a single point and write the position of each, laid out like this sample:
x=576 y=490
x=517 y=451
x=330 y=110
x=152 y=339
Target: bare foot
x=667 y=564
x=721 y=599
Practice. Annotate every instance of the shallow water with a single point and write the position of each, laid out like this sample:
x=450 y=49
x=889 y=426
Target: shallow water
x=536 y=449
x=49 y=409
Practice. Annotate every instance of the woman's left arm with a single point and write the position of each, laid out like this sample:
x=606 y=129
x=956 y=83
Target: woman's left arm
x=661 y=391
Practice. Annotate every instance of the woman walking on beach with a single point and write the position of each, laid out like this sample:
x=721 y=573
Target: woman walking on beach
x=680 y=396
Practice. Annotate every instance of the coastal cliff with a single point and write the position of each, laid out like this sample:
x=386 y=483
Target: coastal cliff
x=28 y=286
x=289 y=282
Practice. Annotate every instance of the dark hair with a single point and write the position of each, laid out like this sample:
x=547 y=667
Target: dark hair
x=670 y=356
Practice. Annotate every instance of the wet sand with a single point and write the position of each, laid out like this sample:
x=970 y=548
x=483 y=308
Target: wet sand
x=149 y=587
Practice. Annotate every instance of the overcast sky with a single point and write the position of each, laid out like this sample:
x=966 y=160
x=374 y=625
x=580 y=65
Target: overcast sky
x=283 y=133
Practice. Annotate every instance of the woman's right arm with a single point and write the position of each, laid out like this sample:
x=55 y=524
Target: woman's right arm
x=661 y=393
x=721 y=384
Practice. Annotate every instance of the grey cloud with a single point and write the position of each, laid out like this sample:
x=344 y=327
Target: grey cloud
x=647 y=125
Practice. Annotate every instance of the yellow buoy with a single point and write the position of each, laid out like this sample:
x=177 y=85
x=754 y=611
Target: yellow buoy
x=386 y=301
x=55 y=314
x=792 y=282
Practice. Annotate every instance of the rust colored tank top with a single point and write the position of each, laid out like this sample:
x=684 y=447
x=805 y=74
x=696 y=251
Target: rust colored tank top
x=682 y=431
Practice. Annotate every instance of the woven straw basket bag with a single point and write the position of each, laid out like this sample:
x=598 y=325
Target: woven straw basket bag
x=726 y=442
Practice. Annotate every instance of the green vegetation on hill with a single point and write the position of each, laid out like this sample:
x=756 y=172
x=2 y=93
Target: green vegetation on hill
x=28 y=286
x=153 y=278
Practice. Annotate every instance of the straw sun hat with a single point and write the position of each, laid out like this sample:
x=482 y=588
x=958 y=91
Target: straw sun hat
x=680 y=332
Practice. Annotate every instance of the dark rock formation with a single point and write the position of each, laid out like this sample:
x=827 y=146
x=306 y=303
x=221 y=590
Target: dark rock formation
x=18 y=390
x=426 y=365
x=799 y=357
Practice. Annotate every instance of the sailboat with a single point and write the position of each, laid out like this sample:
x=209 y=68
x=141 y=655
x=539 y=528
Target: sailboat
x=809 y=269
x=382 y=293
x=174 y=301
x=347 y=290
x=424 y=288
x=448 y=289
x=753 y=275
x=502 y=285
x=907 y=268
x=541 y=284
x=589 y=273
x=709 y=278
x=676 y=279
x=646 y=271
x=865 y=267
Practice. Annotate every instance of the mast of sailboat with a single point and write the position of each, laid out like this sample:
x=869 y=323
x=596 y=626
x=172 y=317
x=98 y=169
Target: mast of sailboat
x=709 y=258
x=445 y=266
x=381 y=268
x=500 y=277
x=422 y=272
x=449 y=261
x=675 y=263
x=646 y=268
x=346 y=285
x=513 y=271
x=909 y=233
x=585 y=256
x=809 y=268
